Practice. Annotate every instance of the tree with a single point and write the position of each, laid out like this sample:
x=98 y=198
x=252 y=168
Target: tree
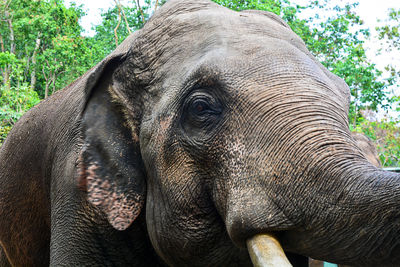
x=117 y=23
x=35 y=28
x=41 y=48
x=391 y=31
x=266 y=5
x=389 y=34
x=342 y=51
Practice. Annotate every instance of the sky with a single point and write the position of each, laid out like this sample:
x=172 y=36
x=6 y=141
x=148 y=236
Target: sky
x=93 y=9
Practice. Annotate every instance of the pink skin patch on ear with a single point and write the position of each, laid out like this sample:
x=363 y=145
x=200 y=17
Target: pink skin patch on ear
x=121 y=211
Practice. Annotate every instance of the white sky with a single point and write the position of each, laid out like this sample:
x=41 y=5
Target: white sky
x=93 y=9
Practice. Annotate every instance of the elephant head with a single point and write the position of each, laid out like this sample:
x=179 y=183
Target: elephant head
x=218 y=126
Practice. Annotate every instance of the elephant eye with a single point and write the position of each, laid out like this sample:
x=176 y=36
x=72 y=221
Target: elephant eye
x=201 y=113
x=200 y=107
x=204 y=105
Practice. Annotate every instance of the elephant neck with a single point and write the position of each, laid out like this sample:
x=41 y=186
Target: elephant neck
x=141 y=249
x=131 y=247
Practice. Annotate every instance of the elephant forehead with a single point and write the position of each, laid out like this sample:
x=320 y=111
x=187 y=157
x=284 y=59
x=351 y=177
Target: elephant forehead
x=251 y=48
x=206 y=16
x=172 y=35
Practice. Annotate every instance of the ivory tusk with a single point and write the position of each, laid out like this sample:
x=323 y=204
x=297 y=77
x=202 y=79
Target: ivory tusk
x=265 y=251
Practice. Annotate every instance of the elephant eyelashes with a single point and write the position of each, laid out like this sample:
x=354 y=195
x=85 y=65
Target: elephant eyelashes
x=203 y=107
x=201 y=113
x=200 y=106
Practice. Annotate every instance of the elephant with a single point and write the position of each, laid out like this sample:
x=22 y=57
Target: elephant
x=3 y=259
x=203 y=130
x=368 y=148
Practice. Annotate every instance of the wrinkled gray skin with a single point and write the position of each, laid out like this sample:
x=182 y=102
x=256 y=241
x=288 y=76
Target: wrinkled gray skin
x=369 y=150
x=201 y=130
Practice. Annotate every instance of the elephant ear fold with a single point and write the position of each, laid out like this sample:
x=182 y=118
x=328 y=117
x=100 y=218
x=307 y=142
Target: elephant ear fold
x=110 y=166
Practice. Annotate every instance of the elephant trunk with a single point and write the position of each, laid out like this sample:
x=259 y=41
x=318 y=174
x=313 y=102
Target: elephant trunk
x=308 y=183
x=341 y=208
x=353 y=217
x=356 y=224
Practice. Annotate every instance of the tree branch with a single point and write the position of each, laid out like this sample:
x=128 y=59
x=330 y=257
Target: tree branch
x=119 y=22
x=33 y=73
x=155 y=8
x=2 y=43
x=141 y=10
x=11 y=28
x=123 y=14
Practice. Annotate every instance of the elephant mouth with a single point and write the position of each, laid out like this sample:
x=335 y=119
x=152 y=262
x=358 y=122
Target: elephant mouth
x=265 y=250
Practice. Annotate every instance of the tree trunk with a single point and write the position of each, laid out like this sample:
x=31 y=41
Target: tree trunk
x=117 y=2
x=2 y=43
x=8 y=69
x=119 y=22
x=47 y=83
x=3 y=70
x=33 y=73
x=53 y=82
x=46 y=90
x=141 y=10
x=10 y=27
x=156 y=5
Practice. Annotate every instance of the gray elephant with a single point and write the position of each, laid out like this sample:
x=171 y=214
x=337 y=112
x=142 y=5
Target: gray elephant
x=368 y=148
x=206 y=128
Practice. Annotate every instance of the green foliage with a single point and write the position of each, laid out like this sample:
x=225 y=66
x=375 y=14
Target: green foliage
x=4 y=130
x=44 y=38
x=238 y=5
x=338 y=42
x=386 y=136
x=42 y=51
x=104 y=41
x=391 y=31
x=13 y=103
x=7 y=58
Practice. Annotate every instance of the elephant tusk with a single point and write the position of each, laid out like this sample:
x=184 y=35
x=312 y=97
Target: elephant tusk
x=265 y=251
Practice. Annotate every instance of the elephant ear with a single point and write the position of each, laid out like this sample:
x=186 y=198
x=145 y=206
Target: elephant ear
x=111 y=169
